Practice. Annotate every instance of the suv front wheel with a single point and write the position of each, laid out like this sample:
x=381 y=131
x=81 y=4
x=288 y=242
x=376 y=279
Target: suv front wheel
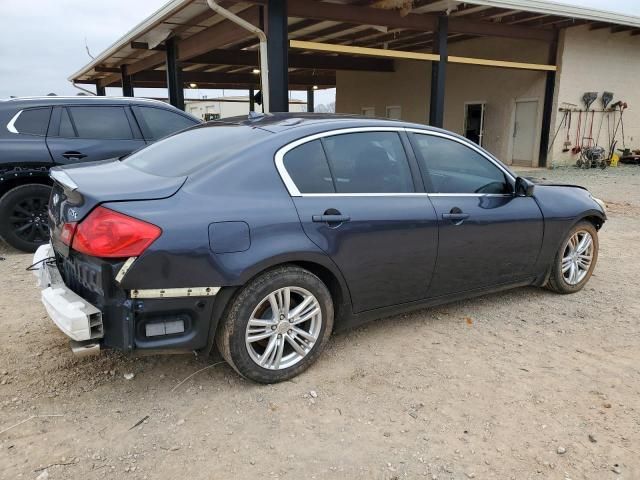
x=23 y=216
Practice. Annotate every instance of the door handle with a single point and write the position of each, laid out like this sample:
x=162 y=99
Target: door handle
x=331 y=218
x=77 y=155
x=455 y=216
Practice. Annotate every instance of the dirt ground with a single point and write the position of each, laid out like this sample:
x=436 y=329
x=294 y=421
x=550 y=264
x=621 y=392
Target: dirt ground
x=522 y=385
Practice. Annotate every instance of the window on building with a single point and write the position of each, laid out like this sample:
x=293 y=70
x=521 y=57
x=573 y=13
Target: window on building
x=368 y=111
x=394 y=113
x=451 y=167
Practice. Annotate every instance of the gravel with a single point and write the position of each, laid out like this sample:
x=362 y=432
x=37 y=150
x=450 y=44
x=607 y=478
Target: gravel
x=522 y=372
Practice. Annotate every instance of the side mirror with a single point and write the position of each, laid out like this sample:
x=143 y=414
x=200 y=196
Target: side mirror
x=524 y=187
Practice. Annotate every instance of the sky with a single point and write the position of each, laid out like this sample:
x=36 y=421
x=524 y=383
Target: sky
x=42 y=42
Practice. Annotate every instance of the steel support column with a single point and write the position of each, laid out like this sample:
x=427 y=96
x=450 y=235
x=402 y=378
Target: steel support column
x=252 y=101
x=547 y=110
x=439 y=74
x=100 y=90
x=127 y=84
x=174 y=74
x=310 y=99
x=278 y=49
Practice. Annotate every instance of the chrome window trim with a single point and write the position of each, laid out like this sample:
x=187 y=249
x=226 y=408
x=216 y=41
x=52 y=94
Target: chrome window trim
x=288 y=181
x=294 y=192
x=11 y=125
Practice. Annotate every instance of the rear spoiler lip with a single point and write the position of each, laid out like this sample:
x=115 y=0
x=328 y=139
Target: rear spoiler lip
x=63 y=179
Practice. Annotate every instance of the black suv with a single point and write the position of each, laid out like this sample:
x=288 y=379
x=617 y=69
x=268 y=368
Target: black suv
x=38 y=133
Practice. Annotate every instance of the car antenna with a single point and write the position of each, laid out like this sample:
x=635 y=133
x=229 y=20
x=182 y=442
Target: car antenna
x=255 y=115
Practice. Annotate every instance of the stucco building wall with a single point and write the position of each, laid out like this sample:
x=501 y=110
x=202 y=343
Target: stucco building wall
x=589 y=60
x=596 y=60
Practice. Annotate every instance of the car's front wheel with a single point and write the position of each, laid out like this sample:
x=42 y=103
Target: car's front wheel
x=277 y=326
x=23 y=216
x=575 y=260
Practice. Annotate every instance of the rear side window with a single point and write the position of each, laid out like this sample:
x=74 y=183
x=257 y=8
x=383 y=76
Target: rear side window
x=157 y=122
x=308 y=168
x=105 y=123
x=182 y=154
x=368 y=162
x=66 y=128
x=33 y=121
x=452 y=167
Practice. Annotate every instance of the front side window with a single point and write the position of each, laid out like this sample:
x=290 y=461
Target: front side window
x=160 y=122
x=33 y=121
x=368 y=162
x=451 y=167
x=105 y=123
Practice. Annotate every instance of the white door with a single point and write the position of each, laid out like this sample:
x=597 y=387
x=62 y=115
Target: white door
x=368 y=112
x=394 y=113
x=524 y=133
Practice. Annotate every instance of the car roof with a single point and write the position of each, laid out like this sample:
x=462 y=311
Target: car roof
x=84 y=99
x=278 y=122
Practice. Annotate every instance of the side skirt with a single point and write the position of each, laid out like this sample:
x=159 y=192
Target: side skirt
x=355 y=320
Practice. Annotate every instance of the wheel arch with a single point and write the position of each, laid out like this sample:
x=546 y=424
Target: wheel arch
x=12 y=178
x=331 y=277
x=595 y=219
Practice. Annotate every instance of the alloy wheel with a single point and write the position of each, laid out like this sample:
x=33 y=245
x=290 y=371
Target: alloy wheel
x=283 y=328
x=29 y=220
x=577 y=257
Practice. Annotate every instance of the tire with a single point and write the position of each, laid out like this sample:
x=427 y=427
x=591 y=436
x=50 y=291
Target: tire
x=244 y=349
x=23 y=216
x=564 y=282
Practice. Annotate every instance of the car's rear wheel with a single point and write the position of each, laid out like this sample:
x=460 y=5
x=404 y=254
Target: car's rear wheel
x=277 y=326
x=575 y=260
x=23 y=216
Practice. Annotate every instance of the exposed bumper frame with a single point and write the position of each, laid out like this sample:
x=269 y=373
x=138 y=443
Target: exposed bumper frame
x=72 y=314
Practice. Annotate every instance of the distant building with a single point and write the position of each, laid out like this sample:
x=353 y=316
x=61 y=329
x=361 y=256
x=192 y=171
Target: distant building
x=230 y=106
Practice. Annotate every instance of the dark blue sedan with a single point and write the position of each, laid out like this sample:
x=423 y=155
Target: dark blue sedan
x=263 y=236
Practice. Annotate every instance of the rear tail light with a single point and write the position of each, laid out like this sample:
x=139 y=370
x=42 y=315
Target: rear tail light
x=68 y=229
x=105 y=233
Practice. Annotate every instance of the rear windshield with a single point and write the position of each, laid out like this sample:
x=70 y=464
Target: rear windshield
x=186 y=152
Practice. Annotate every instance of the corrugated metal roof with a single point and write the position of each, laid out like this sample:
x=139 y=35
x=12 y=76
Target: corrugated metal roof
x=181 y=15
x=563 y=9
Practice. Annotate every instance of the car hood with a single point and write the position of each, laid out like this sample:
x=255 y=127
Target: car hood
x=549 y=183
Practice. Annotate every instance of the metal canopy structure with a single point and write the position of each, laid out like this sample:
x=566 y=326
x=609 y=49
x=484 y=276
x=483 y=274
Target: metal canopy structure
x=215 y=53
x=185 y=44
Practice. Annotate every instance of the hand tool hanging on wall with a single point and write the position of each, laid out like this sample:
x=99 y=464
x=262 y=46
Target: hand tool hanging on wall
x=606 y=100
x=567 y=126
x=576 y=146
x=588 y=98
x=622 y=106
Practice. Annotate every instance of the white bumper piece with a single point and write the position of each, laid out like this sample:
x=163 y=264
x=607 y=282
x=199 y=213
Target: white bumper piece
x=76 y=317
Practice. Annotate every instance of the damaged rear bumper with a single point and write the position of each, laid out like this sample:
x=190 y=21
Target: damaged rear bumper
x=72 y=314
x=84 y=298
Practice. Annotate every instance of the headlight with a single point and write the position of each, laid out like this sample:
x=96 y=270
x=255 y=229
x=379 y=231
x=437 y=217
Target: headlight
x=601 y=203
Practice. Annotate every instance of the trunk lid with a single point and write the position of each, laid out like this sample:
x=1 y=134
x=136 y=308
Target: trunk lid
x=79 y=188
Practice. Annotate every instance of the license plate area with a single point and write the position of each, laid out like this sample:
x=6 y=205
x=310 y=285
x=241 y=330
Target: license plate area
x=88 y=277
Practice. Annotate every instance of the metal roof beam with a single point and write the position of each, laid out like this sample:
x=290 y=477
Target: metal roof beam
x=391 y=18
x=296 y=60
